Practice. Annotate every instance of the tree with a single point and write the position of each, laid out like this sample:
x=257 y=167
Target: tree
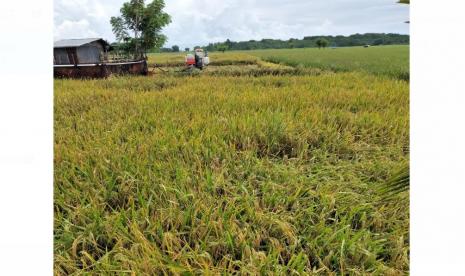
x=175 y=48
x=187 y=49
x=322 y=43
x=228 y=44
x=292 y=42
x=222 y=47
x=145 y=22
x=378 y=41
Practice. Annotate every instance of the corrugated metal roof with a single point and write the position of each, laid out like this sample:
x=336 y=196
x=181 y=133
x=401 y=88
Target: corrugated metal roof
x=73 y=42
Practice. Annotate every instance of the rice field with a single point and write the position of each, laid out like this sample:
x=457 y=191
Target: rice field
x=217 y=58
x=392 y=60
x=248 y=167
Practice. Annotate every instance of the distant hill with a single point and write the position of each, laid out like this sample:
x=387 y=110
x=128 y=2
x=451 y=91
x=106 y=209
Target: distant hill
x=310 y=41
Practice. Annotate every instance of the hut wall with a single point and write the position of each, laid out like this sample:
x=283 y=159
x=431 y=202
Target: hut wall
x=89 y=54
x=60 y=56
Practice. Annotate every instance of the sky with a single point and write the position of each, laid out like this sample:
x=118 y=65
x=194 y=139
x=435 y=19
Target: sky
x=199 y=22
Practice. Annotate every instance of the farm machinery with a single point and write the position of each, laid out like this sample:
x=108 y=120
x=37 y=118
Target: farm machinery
x=197 y=60
x=193 y=62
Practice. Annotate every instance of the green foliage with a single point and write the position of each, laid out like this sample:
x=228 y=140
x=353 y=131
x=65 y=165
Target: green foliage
x=119 y=29
x=378 y=42
x=187 y=49
x=175 y=48
x=162 y=50
x=222 y=47
x=310 y=42
x=123 y=49
x=144 y=21
x=322 y=43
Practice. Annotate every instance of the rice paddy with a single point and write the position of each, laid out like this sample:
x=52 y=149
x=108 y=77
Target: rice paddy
x=251 y=166
x=390 y=60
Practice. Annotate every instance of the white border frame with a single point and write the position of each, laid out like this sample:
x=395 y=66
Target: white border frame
x=26 y=138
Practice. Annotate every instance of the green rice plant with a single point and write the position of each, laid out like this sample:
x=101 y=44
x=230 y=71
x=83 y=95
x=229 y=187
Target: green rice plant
x=397 y=184
x=392 y=61
x=224 y=173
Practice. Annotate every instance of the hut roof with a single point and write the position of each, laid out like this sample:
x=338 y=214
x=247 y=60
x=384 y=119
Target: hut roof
x=70 y=43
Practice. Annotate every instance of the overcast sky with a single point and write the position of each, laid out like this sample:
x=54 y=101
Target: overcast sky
x=198 y=22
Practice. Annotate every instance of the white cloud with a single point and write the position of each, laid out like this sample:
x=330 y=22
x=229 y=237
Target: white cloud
x=84 y=18
x=74 y=29
x=198 y=22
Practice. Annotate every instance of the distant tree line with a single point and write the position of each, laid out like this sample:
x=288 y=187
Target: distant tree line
x=173 y=49
x=312 y=41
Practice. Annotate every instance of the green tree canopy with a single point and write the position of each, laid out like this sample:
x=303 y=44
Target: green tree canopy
x=222 y=47
x=175 y=48
x=322 y=43
x=140 y=25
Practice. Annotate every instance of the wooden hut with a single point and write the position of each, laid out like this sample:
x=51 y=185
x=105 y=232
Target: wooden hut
x=88 y=57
